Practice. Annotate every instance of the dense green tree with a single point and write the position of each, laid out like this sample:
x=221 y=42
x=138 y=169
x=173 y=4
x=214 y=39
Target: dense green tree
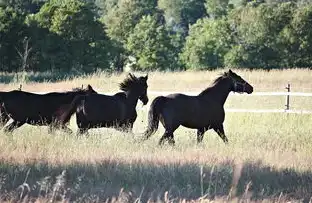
x=217 y=8
x=74 y=38
x=151 y=45
x=257 y=32
x=297 y=38
x=121 y=19
x=11 y=36
x=26 y=6
x=180 y=14
x=208 y=41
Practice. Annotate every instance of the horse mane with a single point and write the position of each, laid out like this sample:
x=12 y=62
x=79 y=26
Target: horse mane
x=128 y=83
x=221 y=77
x=77 y=89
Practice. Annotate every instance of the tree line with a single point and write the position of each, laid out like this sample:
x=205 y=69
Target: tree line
x=88 y=35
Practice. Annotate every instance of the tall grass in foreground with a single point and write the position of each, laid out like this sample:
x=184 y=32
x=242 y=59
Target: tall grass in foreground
x=272 y=150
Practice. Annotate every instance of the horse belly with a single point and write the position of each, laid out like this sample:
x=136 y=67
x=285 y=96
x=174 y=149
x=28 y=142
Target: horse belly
x=203 y=119
x=93 y=116
x=195 y=125
x=39 y=120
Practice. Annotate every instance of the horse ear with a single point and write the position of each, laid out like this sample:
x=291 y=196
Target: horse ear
x=146 y=77
x=130 y=75
x=89 y=87
x=230 y=71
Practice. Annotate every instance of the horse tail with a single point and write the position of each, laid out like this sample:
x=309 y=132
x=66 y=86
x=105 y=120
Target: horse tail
x=2 y=96
x=153 y=115
x=66 y=111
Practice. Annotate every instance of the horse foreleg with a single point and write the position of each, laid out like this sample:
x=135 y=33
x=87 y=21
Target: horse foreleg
x=53 y=126
x=200 y=134
x=82 y=131
x=220 y=130
x=50 y=129
x=66 y=129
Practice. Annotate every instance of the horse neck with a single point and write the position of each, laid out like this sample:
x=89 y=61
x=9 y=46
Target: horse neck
x=219 y=92
x=132 y=99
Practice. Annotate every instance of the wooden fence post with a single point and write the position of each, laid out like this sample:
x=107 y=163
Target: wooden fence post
x=20 y=87
x=287 y=97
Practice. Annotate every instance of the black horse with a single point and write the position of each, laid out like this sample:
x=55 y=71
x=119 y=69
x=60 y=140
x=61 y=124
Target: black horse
x=118 y=111
x=37 y=109
x=202 y=112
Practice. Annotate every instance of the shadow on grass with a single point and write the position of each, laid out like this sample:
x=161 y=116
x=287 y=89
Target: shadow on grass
x=85 y=182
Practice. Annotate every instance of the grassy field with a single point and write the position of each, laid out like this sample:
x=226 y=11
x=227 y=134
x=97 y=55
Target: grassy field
x=268 y=157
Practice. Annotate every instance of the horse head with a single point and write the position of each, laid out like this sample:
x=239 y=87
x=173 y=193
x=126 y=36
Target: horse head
x=238 y=83
x=137 y=86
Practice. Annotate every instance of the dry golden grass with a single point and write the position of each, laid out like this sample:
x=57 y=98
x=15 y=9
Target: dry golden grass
x=272 y=151
x=274 y=80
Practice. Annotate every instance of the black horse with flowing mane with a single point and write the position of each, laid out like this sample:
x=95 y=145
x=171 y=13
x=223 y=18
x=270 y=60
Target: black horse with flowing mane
x=117 y=111
x=37 y=109
x=202 y=112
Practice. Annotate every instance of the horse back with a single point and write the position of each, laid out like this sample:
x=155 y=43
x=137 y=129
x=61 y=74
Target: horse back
x=24 y=106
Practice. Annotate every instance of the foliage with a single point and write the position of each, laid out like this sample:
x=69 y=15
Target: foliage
x=217 y=8
x=70 y=42
x=257 y=35
x=11 y=36
x=207 y=43
x=121 y=19
x=298 y=37
x=26 y=6
x=180 y=14
x=86 y=35
x=151 y=45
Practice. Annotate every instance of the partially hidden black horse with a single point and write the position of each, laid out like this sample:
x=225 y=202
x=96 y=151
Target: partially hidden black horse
x=117 y=111
x=202 y=112
x=37 y=109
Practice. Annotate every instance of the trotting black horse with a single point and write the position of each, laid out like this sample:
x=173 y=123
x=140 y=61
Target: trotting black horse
x=202 y=112
x=117 y=111
x=37 y=109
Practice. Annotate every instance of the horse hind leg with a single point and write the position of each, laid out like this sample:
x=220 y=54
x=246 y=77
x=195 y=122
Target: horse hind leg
x=12 y=126
x=167 y=136
x=220 y=130
x=4 y=118
x=170 y=126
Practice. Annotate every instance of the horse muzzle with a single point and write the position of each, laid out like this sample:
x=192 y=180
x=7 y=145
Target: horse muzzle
x=144 y=100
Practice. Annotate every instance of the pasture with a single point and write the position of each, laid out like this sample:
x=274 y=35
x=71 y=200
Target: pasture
x=268 y=157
